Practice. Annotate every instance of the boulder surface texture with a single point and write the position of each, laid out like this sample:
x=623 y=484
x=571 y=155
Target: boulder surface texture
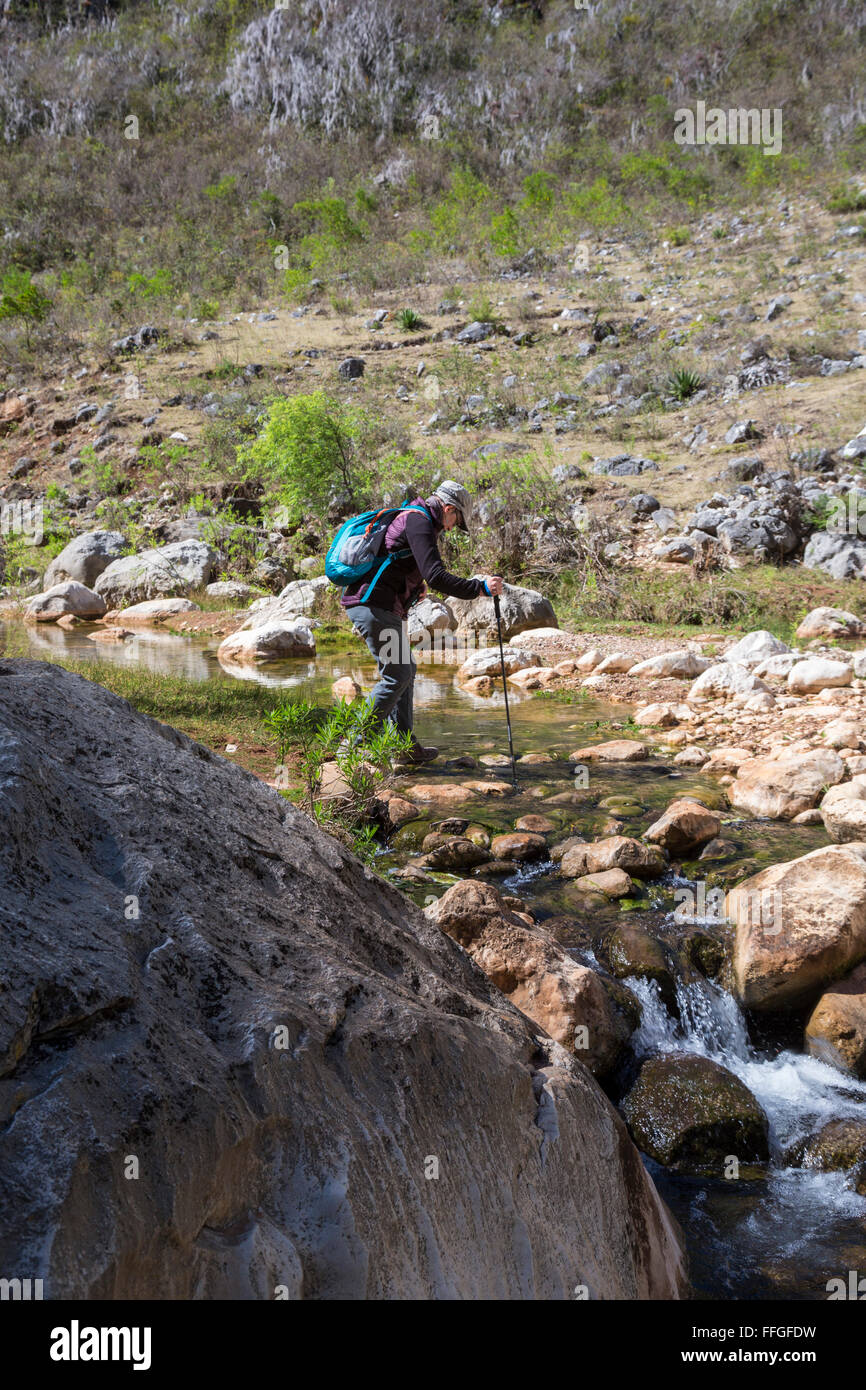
x=198 y=979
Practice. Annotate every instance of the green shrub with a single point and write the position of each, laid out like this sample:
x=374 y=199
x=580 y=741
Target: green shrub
x=409 y=320
x=306 y=449
x=20 y=298
x=154 y=286
x=847 y=199
x=364 y=750
x=678 y=236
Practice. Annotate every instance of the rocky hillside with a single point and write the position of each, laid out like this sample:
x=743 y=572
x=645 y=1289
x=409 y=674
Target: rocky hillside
x=243 y=1058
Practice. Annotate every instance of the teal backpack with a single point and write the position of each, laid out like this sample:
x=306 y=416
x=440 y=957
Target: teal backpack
x=357 y=546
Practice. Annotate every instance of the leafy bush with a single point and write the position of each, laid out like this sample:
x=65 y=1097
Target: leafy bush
x=847 y=199
x=409 y=320
x=305 y=451
x=20 y=298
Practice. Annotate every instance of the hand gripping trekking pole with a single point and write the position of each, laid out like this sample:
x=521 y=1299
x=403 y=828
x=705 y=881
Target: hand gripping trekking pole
x=505 y=689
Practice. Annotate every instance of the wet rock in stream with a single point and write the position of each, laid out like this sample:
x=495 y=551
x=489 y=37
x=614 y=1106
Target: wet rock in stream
x=692 y=1115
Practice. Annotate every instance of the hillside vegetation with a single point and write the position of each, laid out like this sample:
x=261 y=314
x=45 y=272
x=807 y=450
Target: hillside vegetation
x=168 y=157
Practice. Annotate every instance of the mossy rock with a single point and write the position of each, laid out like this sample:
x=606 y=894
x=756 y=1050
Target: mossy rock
x=693 y=1116
x=621 y=806
x=478 y=835
x=632 y=951
x=839 y=1146
x=410 y=836
x=704 y=953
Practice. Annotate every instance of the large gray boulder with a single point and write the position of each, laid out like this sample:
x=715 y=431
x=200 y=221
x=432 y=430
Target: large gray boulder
x=520 y=609
x=315 y=1089
x=756 y=647
x=168 y=571
x=300 y=598
x=85 y=558
x=62 y=599
x=840 y=556
x=273 y=641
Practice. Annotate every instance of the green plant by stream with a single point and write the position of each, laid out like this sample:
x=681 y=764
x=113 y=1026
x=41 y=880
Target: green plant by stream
x=363 y=751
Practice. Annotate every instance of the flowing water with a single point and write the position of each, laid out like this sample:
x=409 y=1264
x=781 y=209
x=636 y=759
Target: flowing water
x=781 y=1236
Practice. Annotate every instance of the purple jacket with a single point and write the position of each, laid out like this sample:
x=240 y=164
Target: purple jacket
x=402 y=583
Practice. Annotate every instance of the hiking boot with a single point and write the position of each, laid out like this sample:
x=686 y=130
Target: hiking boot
x=417 y=756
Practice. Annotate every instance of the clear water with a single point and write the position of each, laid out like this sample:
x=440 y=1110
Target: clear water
x=787 y=1236
x=783 y=1237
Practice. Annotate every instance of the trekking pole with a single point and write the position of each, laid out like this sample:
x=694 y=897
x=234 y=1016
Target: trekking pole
x=505 y=689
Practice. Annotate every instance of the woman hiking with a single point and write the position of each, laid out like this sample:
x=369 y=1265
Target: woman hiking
x=379 y=611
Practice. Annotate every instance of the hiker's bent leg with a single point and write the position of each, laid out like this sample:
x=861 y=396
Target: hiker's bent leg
x=403 y=715
x=386 y=637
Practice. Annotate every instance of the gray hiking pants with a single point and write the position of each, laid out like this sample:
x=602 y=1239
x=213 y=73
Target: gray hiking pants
x=385 y=634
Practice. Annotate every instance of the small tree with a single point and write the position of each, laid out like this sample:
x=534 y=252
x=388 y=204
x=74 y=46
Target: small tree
x=20 y=298
x=306 y=449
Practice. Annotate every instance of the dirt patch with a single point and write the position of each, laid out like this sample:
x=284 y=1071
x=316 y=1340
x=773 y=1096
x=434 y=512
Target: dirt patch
x=219 y=624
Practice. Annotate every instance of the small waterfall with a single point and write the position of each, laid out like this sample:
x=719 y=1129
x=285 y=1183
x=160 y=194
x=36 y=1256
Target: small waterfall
x=802 y=1218
x=797 y=1092
x=711 y=1023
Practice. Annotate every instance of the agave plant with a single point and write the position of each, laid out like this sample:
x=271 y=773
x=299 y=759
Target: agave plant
x=684 y=383
x=409 y=321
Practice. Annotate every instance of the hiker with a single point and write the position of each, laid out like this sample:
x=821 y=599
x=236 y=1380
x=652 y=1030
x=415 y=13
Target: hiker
x=382 y=621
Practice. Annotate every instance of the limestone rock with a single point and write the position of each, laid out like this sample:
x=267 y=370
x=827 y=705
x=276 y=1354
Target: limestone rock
x=165 y=572
x=614 y=664
x=282 y=1039
x=230 y=591
x=836 y=1031
x=799 y=925
x=85 y=558
x=726 y=680
x=519 y=845
x=274 y=641
x=683 y=665
x=345 y=688
x=685 y=826
x=614 y=852
x=301 y=598
x=67 y=598
x=661 y=715
x=843 y=733
x=520 y=609
x=429 y=616
x=818 y=673
x=156 y=610
x=829 y=622
x=843 y=811
x=780 y=788
x=534 y=972
x=487 y=663
x=613 y=883
x=617 y=750
x=755 y=647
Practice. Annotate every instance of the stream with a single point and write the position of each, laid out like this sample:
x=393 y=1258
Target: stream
x=782 y=1236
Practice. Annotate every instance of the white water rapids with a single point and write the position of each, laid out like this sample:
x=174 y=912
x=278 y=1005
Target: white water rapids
x=805 y=1220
